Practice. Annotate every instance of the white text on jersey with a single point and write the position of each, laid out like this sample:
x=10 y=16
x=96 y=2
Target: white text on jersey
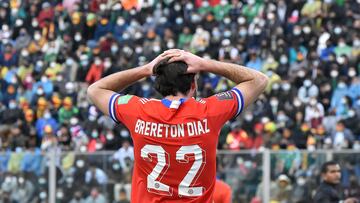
x=172 y=131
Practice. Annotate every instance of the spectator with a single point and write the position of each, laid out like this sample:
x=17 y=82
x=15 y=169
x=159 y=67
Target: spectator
x=77 y=198
x=122 y=197
x=95 y=196
x=281 y=190
x=126 y=151
x=329 y=190
x=95 y=176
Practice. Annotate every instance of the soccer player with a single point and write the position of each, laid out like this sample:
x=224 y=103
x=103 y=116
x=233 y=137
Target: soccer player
x=175 y=138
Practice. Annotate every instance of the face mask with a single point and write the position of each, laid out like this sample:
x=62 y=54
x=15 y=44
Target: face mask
x=60 y=195
x=125 y=36
x=241 y=20
x=69 y=180
x=21 y=180
x=313 y=102
x=179 y=20
x=77 y=37
x=227 y=33
x=257 y=31
x=301 y=181
x=37 y=36
x=249 y=117
x=156 y=49
x=337 y=30
x=227 y=21
x=170 y=44
x=138 y=50
x=116 y=166
x=12 y=105
x=40 y=91
x=286 y=86
x=124 y=133
x=297 y=103
x=356 y=43
x=281 y=117
x=307 y=29
x=334 y=73
x=84 y=63
x=69 y=62
x=341 y=85
x=42 y=181
x=109 y=136
x=297 y=31
x=47 y=115
x=94 y=134
x=307 y=83
x=351 y=113
x=120 y=21
x=275 y=86
x=352 y=73
x=243 y=32
x=149 y=19
x=340 y=60
x=274 y=102
x=114 y=49
x=189 y=6
x=82 y=149
x=98 y=146
x=34 y=23
x=145 y=87
x=42 y=195
x=97 y=62
x=80 y=163
x=107 y=64
x=283 y=59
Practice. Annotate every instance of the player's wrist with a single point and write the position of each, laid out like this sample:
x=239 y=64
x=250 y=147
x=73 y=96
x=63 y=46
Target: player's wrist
x=147 y=70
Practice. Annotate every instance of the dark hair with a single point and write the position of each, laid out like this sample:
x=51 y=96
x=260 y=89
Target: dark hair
x=324 y=167
x=171 y=78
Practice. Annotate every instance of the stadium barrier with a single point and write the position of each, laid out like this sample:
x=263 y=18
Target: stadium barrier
x=254 y=176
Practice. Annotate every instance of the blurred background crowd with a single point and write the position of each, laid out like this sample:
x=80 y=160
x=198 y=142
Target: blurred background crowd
x=50 y=51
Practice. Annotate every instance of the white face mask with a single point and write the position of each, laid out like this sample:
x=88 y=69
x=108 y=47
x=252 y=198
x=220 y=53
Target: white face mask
x=77 y=37
x=124 y=133
x=37 y=36
x=47 y=115
x=97 y=62
x=107 y=64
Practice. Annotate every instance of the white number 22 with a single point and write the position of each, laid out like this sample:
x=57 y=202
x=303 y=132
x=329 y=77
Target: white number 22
x=183 y=155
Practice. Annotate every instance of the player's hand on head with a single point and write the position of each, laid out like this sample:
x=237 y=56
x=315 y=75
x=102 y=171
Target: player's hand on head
x=162 y=58
x=194 y=62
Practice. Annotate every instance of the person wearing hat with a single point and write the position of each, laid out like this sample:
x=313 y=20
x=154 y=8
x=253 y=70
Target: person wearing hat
x=90 y=26
x=48 y=140
x=67 y=111
x=280 y=191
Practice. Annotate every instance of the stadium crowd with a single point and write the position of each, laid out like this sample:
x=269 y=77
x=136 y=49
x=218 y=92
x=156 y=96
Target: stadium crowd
x=50 y=51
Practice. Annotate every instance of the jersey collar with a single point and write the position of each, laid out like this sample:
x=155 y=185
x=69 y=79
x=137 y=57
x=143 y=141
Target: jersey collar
x=173 y=104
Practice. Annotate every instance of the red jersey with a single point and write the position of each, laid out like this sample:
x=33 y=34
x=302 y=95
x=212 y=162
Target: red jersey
x=175 y=144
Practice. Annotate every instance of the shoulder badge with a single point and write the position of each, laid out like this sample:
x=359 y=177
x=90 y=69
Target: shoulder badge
x=124 y=99
x=224 y=95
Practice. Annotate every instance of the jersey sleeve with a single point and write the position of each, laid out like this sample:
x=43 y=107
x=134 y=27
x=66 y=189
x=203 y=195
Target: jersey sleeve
x=123 y=107
x=226 y=105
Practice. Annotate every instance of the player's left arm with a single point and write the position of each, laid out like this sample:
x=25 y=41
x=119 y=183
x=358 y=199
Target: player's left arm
x=102 y=90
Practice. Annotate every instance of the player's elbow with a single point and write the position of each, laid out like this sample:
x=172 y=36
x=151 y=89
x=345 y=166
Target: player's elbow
x=262 y=81
x=91 y=91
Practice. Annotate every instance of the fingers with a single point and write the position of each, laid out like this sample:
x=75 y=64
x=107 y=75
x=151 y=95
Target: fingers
x=176 y=58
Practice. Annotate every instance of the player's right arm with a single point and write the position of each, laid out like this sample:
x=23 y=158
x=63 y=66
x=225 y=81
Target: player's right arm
x=250 y=83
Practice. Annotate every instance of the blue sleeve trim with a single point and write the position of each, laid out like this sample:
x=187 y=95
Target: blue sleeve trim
x=240 y=100
x=112 y=112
